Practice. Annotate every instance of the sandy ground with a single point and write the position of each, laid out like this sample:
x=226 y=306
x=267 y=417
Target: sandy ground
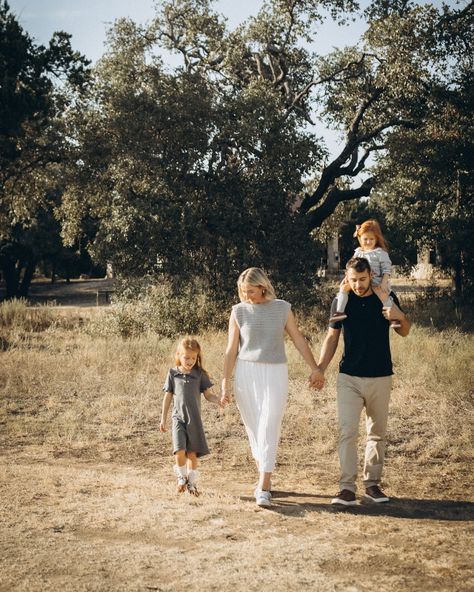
x=111 y=521
x=72 y=524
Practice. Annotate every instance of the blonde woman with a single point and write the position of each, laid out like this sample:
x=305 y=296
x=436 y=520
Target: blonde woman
x=256 y=348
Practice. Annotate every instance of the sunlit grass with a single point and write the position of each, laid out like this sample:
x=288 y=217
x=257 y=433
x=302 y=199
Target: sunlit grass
x=71 y=390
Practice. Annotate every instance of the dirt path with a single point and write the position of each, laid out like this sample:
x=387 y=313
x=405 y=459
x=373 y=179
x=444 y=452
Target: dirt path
x=81 y=293
x=70 y=525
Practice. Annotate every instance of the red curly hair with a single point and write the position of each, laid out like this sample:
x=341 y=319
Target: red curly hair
x=371 y=226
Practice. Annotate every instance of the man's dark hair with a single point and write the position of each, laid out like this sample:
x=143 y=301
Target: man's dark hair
x=359 y=264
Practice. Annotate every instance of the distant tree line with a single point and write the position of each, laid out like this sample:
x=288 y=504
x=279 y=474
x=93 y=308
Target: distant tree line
x=215 y=164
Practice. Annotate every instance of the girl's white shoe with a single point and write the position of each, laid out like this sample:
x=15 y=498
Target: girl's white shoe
x=181 y=484
x=192 y=489
x=193 y=476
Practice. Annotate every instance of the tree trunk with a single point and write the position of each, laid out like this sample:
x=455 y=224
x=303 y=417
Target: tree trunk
x=458 y=278
x=10 y=275
x=26 y=280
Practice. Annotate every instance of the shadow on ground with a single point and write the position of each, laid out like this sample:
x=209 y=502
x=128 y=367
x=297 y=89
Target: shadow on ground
x=292 y=504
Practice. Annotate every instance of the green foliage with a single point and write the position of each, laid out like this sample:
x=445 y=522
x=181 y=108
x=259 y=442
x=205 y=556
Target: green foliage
x=37 y=84
x=165 y=308
x=427 y=181
x=202 y=170
x=202 y=180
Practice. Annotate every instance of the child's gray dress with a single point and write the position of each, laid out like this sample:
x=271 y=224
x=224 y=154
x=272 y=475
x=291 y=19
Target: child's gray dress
x=187 y=428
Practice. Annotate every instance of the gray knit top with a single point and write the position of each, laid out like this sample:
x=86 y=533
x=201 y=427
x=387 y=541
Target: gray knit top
x=262 y=330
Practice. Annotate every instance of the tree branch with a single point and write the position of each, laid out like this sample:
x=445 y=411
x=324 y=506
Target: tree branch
x=329 y=78
x=383 y=126
x=354 y=127
x=334 y=198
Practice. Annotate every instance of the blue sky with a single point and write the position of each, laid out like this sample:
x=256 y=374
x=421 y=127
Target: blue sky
x=88 y=20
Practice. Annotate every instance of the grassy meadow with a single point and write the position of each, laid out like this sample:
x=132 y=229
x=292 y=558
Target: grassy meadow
x=87 y=489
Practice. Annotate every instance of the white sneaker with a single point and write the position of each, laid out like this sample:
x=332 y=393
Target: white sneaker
x=338 y=316
x=256 y=490
x=263 y=499
x=192 y=489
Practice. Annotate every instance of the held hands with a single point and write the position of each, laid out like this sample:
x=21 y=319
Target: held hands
x=226 y=396
x=224 y=400
x=221 y=401
x=316 y=379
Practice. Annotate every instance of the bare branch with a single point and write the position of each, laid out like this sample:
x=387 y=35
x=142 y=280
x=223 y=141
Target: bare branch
x=335 y=197
x=258 y=61
x=354 y=127
x=350 y=167
x=329 y=78
x=291 y=13
x=383 y=126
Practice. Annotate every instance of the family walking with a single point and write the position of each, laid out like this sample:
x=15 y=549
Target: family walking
x=255 y=354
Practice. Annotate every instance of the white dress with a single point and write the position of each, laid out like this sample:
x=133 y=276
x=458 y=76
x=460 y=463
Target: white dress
x=261 y=376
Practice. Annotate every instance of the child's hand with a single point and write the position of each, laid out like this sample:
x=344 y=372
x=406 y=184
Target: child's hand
x=163 y=427
x=392 y=313
x=225 y=399
x=344 y=285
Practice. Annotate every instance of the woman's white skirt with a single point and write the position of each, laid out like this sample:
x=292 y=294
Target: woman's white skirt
x=261 y=392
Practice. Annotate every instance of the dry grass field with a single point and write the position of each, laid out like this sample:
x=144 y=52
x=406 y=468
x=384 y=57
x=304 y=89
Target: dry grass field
x=87 y=489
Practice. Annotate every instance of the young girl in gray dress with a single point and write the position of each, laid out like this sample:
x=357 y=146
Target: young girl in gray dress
x=183 y=386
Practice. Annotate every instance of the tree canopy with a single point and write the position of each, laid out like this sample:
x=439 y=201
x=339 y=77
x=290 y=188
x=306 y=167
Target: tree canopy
x=32 y=140
x=215 y=163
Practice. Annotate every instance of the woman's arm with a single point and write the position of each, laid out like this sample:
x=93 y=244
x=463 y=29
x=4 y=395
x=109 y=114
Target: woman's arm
x=230 y=356
x=164 y=410
x=316 y=379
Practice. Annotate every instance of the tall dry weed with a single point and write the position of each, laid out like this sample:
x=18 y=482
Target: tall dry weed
x=72 y=392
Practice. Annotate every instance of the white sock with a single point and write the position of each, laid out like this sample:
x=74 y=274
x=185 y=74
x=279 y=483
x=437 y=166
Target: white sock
x=193 y=475
x=181 y=470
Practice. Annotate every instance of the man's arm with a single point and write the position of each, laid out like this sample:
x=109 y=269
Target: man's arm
x=393 y=313
x=328 y=348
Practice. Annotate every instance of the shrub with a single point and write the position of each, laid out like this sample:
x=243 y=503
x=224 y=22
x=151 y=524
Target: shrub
x=167 y=309
x=15 y=314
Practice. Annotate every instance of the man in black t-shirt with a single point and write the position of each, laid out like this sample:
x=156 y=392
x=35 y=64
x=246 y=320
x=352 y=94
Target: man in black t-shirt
x=364 y=380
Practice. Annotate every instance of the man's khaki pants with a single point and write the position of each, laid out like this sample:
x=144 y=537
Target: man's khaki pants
x=353 y=394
